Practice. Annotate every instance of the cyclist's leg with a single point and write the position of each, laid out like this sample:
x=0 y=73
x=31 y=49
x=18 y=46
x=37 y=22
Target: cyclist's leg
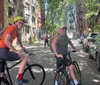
x=2 y=68
x=68 y=63
x=2 y=63
x=12 y=56
x=58 y=64
x=59 y=61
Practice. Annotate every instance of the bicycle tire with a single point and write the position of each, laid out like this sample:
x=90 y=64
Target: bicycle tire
x=77 y=72
x=4 y=81
x=61 y=78
x=36 y=69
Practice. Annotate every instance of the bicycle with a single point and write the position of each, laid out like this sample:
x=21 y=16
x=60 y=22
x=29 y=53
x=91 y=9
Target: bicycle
x=62 y=76
x=37 y=73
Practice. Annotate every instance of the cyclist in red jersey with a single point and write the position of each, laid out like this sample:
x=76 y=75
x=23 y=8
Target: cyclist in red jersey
x=9 y=53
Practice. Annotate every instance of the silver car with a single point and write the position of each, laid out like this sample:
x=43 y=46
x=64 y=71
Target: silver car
x=94 y=51
x=88 y=41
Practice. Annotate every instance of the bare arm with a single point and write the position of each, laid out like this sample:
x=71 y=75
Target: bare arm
x=54 y=42
x=71 y=44
x=19 y=41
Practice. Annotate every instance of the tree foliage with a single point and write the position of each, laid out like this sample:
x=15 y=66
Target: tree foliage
x=91 y=10
x=55 y=13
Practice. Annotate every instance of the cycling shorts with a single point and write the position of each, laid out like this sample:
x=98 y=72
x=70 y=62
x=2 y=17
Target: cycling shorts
x=7 y=55
x=65 y=60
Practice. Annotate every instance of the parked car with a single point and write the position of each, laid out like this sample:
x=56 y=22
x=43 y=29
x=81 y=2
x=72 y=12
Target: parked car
x=88 y=41
x=94 y=51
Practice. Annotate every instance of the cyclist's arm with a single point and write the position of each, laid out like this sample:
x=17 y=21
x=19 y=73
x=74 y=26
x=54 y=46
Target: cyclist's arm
x=9 y=43
x=54 y=42
x=20 y=43
x=71 y=44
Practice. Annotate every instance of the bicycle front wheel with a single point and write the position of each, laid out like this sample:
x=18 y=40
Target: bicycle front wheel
x=3 y=81
x=60 y=78
x=35 y=73
x=77 y=72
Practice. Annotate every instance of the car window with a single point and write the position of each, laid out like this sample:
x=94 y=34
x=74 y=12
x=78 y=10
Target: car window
x=93 y=35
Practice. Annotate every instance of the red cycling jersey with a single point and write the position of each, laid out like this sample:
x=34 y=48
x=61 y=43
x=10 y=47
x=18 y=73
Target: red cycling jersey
x=13 y=31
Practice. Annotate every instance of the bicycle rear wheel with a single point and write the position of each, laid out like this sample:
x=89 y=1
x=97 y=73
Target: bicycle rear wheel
x=3 y=81
x=35 y=73
x=60 y=78
x=77 y=72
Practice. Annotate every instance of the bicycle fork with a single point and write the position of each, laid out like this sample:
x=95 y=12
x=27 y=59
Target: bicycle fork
x=29 y=69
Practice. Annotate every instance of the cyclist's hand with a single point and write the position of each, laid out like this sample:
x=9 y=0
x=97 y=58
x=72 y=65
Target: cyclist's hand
x=20 y=54
x=23 y=48
x=77 y=50
x=59 y=55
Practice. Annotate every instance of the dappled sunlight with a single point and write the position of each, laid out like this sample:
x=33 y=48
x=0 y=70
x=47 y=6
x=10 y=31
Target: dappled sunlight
x=49 y=70
x=95 y=80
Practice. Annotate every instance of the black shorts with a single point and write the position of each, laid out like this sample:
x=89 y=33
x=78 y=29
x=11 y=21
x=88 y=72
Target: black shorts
x=7 y=55
x=65 y=60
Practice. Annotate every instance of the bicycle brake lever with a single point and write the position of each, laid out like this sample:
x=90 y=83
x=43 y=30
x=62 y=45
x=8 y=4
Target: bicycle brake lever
x=31 y=54
x=74 y=51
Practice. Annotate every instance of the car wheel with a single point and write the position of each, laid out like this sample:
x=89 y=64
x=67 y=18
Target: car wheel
x=98 y=61
x=90 y=56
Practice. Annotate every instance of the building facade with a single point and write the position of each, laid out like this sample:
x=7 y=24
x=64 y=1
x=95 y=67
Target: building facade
x=1 y=14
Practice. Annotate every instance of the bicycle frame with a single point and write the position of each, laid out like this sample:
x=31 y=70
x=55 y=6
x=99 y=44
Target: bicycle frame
x=8 y=68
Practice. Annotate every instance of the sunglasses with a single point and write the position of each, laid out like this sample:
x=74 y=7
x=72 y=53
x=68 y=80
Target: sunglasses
x=21 y=23
x=64 y=28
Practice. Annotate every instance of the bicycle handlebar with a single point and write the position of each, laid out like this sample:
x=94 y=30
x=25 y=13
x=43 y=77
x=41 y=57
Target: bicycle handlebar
x=27 y=52
x=72 y=51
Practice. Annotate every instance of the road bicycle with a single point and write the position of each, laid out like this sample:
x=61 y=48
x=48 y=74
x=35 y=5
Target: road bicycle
x=62 y=76
x=34 y=72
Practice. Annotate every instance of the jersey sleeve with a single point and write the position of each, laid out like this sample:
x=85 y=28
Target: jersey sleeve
x=10 y=30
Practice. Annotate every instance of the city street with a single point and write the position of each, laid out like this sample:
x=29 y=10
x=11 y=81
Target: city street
x=43 y=56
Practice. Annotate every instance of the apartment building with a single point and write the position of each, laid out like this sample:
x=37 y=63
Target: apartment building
x=29 y=9
x=12 y=8
x=1 y=14
x=70 y=21
x=30 y=14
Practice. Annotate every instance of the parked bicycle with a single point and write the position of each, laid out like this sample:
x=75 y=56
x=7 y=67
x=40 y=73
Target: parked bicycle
x=34 y=72
x=62 y=76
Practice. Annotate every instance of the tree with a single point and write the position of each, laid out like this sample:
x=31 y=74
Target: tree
x=91 y=11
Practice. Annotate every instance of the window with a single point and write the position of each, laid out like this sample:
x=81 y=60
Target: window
x=33 y=19
x=10 y=11
x=27 y=17
x=8 y=0
x=33 y=9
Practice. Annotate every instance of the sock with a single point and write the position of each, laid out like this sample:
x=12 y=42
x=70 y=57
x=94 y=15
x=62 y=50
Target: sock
x=19 y=76
x=56 y=83
x=75 y=82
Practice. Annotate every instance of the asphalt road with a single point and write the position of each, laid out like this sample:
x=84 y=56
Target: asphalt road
x=43 y=56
